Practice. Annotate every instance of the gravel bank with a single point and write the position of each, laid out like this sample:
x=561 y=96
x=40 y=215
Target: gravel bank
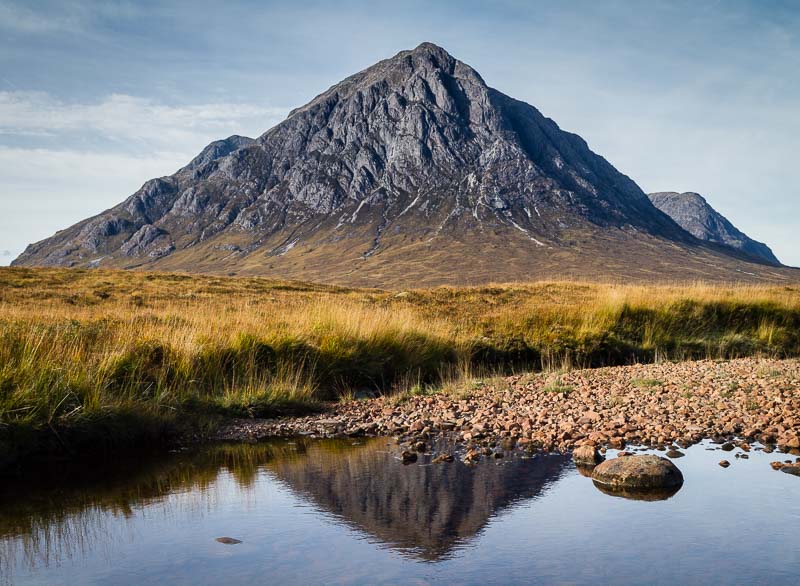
x=669 y=404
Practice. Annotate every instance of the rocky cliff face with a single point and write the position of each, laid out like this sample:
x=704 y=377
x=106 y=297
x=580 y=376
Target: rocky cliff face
x=694 y=214
x=412 y=171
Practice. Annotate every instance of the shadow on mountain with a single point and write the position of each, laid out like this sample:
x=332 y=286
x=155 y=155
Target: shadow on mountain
x=425 y=510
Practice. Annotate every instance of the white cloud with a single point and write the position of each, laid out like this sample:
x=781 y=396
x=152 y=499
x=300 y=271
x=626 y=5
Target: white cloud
x=131 y=121
x=76 y=16
x=42 y=190
x=48 y=183
x=23 y=19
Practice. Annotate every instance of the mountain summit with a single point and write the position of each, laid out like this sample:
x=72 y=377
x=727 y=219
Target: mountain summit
x=410 y=172
x=695 y=215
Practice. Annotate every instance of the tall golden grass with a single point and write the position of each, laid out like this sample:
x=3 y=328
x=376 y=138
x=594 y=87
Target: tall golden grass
x=81 y=346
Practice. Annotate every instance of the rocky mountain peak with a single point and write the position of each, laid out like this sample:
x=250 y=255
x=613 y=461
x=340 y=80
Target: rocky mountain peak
x=695 y=215
x=219 y=148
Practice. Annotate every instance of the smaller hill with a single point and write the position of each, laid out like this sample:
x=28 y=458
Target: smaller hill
x=693 y=213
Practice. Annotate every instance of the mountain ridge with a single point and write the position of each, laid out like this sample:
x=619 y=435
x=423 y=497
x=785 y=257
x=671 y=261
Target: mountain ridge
x=410 y=171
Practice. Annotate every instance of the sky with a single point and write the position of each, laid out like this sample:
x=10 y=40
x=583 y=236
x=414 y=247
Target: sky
x=98 y=97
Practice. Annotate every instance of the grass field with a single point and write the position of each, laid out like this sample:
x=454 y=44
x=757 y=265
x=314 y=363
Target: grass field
x=92 y=359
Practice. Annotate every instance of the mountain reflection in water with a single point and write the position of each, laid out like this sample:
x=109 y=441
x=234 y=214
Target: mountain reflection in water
x=425 y=510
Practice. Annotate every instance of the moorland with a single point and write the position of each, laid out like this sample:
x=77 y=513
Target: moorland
x=103 y=360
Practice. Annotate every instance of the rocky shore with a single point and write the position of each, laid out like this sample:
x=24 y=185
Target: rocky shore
x=668 y=405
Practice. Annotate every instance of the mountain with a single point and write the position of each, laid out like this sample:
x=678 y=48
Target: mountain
x=693 y=213
x=412 y=172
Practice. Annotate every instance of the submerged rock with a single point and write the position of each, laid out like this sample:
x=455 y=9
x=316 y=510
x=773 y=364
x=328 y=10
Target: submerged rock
x=408 y=457
x=794 y=469
x=637 y=473
x=228 y=540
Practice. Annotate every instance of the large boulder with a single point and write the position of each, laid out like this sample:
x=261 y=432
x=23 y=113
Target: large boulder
x=637 y=473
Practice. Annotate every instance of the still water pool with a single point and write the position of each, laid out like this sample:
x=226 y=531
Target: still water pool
x=348 y=512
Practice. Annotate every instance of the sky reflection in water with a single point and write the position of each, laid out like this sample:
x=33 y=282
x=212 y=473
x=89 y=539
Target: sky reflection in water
x=332 y=512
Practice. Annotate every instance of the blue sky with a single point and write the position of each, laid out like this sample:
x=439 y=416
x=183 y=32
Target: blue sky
x=97 y=97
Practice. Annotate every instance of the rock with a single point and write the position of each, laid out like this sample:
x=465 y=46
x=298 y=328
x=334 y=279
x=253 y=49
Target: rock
x=637 y=472
x=509 y=444
x=777 y=465
x=674 y=454
x=443 y=458
x=417 y=426
x=794 y=470
x=586 y=455
x=420 y=447
x=790 y=440
x=724 y=463
x=227 y=540
x=726 y=447
x=408 y=457
x=472 y=456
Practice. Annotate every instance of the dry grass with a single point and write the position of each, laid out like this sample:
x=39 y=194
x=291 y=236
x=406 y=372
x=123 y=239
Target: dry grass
x=80 y=346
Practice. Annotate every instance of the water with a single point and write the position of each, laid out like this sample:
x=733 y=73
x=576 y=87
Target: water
x=330 y=512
